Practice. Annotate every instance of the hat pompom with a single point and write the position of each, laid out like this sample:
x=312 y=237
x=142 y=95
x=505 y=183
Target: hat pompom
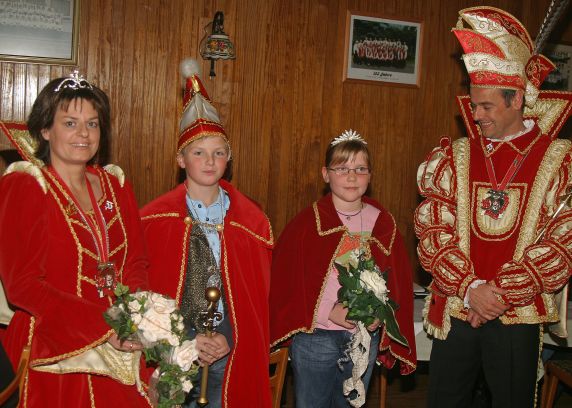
x=189 y=67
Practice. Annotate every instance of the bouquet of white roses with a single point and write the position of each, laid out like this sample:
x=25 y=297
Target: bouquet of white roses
x=364 y=292
x=155 y=321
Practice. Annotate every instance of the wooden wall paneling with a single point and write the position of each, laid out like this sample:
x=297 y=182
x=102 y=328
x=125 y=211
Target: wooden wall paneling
x=7 y=90
x=281 y=101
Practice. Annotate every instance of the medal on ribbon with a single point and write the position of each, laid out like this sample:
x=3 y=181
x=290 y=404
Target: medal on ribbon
x=497 y=199
x=495 y=203
x=106 y=278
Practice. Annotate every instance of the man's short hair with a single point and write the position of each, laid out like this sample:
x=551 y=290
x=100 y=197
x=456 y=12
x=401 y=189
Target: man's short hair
x=508 y=95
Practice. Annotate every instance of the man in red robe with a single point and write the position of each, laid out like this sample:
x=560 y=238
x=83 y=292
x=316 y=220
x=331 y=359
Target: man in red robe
x=490 y=229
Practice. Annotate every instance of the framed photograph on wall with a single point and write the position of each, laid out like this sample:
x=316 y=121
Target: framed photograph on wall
x=43 y=32
x=561 y=78
x=383 y=50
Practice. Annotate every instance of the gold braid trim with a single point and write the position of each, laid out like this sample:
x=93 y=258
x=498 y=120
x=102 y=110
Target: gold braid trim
x=328 y=271
x=546 y=172
x=113 y=220
x=548 y=112
x=386 y=251
x=461 y=159
x=29 y=344
x=162 y=215
x=44 y=361
x=183 y=266
x=228 y=291
x=319 y=224
x=437 y=332
x=79 y=247
x=409 y=363
x=118 y=248
x=91 y=393
x=290 y=334
x=258 y=237
x=122 y=225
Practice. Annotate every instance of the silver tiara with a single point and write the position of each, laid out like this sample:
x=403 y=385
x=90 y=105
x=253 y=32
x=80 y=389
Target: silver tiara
x=74 y=81
x=347 y=136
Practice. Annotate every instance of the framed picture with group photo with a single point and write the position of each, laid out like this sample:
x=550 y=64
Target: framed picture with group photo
x=382 y=50
x=561 y=78
x=43 y=32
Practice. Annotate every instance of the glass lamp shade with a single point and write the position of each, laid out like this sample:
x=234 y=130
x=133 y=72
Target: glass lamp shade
x=216 y=45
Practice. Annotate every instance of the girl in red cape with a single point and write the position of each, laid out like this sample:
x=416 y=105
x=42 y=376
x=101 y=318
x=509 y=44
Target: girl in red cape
x=304 y=304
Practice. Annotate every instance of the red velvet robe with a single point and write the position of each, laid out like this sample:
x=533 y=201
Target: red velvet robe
x=246 y=244
x=301 y=263
x=458 y=244
x=48 y=261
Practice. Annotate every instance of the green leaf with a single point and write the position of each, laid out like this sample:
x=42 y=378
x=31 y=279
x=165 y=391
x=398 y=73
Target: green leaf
x=121 y=290
x=391 y=326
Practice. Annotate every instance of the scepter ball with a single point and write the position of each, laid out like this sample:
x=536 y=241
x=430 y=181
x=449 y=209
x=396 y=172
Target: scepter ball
x=212 y=294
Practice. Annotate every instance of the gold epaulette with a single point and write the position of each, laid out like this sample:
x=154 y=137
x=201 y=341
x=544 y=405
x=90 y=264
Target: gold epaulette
x=116 y=171
x=31 y=169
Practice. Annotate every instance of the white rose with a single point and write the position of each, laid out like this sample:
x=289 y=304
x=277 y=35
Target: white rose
x=134 y=306
x=161 y=304
x=187 y=385
x=136 y=318
x=157 y=327
x=114 y=312
x=374 y=282
x=186 y=354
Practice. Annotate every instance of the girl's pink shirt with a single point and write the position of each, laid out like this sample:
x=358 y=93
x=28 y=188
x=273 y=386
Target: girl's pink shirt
x=355 y=224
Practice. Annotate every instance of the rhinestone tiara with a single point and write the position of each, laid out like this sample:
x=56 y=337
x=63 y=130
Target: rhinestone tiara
x=346 y=136
x=74 y=81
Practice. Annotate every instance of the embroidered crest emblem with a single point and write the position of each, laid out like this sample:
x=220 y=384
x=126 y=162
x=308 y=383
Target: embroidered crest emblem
x=495 y=203
x=108 y=205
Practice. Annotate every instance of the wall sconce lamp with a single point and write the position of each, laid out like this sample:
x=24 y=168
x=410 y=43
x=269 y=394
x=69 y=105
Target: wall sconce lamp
x=216 y=45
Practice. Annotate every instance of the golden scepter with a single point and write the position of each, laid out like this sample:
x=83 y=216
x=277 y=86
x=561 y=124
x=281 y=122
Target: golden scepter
x=565 y=201
x=212 y=295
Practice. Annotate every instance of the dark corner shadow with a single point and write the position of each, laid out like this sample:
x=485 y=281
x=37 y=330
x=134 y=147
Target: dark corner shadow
x=10 y=156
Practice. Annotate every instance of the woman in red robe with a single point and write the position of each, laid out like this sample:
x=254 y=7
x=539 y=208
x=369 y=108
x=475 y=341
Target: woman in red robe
x=70 y=232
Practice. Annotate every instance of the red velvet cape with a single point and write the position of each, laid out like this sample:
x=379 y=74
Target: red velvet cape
x=47 y=266
x=245 y=268
x=301 y=263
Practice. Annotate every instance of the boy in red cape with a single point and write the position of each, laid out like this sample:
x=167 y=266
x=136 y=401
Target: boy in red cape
x=206 y=233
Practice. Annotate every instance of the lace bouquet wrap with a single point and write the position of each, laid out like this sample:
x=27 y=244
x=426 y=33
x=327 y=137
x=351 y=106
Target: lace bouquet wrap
x=364 y=292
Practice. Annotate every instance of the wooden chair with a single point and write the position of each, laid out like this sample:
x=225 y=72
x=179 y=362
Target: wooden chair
x=18 y=381
x=278 y=359
x=382 y=387
x=555 y=371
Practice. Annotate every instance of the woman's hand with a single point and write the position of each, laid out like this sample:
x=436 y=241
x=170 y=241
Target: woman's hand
x=338 y=316
x=127 y=345
x=211 y=348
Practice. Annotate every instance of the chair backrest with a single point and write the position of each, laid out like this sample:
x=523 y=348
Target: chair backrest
x=278 y=359
x=18 y=381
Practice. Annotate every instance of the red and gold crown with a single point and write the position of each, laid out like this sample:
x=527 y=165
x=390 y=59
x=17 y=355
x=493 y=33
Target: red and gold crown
x=499 y=52
x=200 y=118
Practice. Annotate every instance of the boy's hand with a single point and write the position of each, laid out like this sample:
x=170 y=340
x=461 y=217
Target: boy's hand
x=212 y=348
